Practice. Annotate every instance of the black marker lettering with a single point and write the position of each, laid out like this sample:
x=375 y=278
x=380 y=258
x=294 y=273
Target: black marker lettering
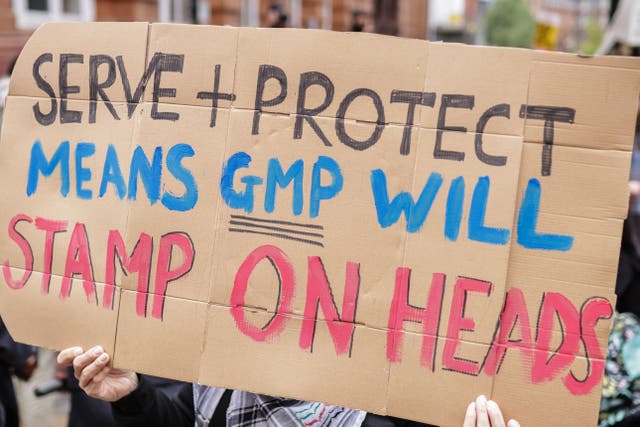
x=265 y=73
x=68 y=116
x=428 y=99
x=134 y=99
x=450 y=101
x=97 y=88
x=50 y=117
x=549 y=115
x=303 y=113
x=215 y=96
x=165 y=63
x=501 y=110
x=342 y=111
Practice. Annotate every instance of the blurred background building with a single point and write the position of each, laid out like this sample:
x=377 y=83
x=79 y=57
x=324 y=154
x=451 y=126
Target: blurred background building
x=567 y=25
x=402 y=17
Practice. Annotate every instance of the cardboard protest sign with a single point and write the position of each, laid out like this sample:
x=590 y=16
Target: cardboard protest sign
x=385 y=224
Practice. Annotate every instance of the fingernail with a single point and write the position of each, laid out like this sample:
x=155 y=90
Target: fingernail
x=471 y=408
x=103 y=358
x=513 y=423
x=76 y=351
x=97 y=350
x=481 y=401
x=492 y=405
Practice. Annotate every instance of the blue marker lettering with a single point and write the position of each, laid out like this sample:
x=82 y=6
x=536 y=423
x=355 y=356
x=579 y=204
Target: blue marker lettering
x=233 y=198
x=38 y=164
x=151 y=174
x=184 y=175
x=453 y=216
x=83 y=150
x=414 y=212
x=528 y=221
x=111 y=173
x=477 y=230
x=275 y=175
x=324 y=192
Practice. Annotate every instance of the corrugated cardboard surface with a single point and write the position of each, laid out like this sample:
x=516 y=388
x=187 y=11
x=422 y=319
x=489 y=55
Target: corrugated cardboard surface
x=188 y=330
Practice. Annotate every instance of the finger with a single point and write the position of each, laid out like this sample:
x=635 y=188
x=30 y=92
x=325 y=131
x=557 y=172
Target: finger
x=482 y=417
x=82 y=361
x=100 y=376
x=513 y=423
x=89 y=373
x=495 y=415
x=470 y=416
x=66 y=356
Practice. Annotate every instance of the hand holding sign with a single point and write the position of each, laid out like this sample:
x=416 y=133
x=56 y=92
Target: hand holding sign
x=483 y=413
x=101 y=382
x=95 y=376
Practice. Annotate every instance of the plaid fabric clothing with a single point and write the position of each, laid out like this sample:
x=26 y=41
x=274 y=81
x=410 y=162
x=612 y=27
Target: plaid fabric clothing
x=256 y=410
x=621 y=388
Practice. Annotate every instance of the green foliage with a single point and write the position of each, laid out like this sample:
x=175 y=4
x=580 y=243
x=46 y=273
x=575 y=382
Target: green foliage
x=510 y=23
x=593 y=38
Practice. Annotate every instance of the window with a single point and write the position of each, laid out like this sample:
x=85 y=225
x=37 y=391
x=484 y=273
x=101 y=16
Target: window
x=32 y=13
x=570 y=5
x=327 y=14
x=184 y=11
x=250 y=13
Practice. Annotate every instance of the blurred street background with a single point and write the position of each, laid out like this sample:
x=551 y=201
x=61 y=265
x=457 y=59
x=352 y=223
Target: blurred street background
x=566 y=25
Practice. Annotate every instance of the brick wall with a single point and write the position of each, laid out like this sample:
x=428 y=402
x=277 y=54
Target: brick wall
x=6 y=16
x=312 y=12
x=11 y=40
x=225 y=12
x=343 y=10
x=126 y=10
x=411 y=17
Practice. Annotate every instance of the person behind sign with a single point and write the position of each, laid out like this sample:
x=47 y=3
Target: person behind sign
x=136 y=403
x=276 y=17
x=15 y=359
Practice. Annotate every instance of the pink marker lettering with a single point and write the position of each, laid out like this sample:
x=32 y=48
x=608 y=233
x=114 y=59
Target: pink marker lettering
x=139 y=262
x=458 y=323
x=319 y=294
x=164 y=273
x=595 y=309
x=50 y=228
x=25 y=247
x=545 y=368
x=79 y=262
x=513 y=315
x=284 y=271
x=402 y=311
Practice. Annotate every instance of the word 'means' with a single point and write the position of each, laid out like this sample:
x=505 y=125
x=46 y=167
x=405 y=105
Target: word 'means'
x=100 y=84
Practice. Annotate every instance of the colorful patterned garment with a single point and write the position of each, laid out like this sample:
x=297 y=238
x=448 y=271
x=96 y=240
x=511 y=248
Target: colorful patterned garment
x=256 y=410
x=621 y=388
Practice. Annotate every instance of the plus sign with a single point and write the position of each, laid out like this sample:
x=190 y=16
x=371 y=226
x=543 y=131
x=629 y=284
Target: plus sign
x=215 y=96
